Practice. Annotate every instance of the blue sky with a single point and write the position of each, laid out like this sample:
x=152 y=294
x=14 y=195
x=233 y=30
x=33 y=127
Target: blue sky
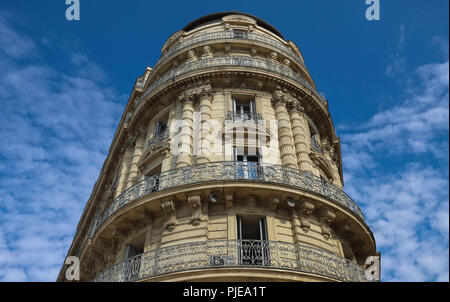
x=63 y=86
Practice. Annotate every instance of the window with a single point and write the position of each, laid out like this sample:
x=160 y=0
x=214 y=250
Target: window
x=244 y=109
x=153 y=179
x=133 y=249
x=240 y=34
x=160 y=128
x=253 y=248
x=160 y=132
x=314 y=140
x=247 y=165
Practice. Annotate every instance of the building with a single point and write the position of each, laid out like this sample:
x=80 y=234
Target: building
x=225 y=167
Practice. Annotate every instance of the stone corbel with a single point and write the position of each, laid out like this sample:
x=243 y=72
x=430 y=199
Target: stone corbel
x=326 y=217
x=207 y=52
x=274 y=202
x=227 y=48
x=195 y=203
x=306 y=209
x=169 y=210
x=191 y=56
x=229 y=199
x=251 y=204
x=286 y=62
x=273 y=57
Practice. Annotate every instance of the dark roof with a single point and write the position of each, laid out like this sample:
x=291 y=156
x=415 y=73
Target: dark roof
x=218 y=16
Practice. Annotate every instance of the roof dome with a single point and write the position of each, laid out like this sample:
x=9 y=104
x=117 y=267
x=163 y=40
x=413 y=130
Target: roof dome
x=218 y=16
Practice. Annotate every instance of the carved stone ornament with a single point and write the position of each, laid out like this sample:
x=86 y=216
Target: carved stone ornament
x=273 y=56
x=274 y=202
x=279 y=98
x=207 y=52
x=227 y=48
x=306 y=209
x=326 y=217
x=191 y=56
x=196 y=207
x=169 y=210
x=229 y=199
x=251 y=204
x=238 y=19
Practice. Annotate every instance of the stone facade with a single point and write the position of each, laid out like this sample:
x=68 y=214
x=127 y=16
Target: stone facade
x=225 y=152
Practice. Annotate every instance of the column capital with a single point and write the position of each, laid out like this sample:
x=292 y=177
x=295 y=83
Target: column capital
x=279 y=99
x=186 y=97
x=206 y=93
x=296 y=106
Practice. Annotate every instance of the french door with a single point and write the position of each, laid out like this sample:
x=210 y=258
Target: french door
x=253 y=248
x=246 y=165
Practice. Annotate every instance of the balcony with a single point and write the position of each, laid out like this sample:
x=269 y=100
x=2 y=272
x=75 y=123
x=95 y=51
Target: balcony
x=221 y=35
x=261 y=64
x=315 y=145
x=231 y=171
x=243 y=117
x=158 y=138
x=214 y=254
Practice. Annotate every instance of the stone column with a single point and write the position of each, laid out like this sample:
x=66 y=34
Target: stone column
x=298 y=121
x=124 y=167
x=206 y=97
x=138 y=149
x=285 y=140
x=185 y=151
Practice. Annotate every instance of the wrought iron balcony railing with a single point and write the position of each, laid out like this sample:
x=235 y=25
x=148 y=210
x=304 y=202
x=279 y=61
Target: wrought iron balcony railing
x=265 y=65
x=158 y=138
x=243 y=117
x=232 y=171
x=234 y=253
x=315 y=144
x=220 y=35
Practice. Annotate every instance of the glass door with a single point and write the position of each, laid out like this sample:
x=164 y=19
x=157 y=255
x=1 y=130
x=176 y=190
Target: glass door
x=253 y=248
x=246 y=165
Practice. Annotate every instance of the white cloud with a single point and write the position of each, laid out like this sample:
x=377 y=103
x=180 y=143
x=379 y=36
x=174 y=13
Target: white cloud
x=55 y=128
x=398 y=171
x=12 y=43
x=398 y=64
